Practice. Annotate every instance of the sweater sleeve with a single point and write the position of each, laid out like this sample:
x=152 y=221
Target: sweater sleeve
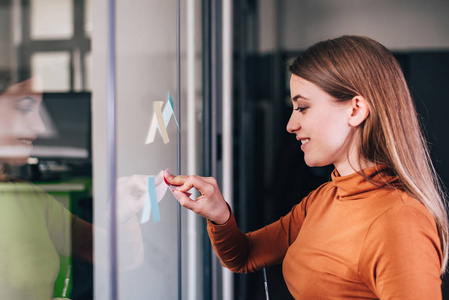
x=243 y=253
x=402 y=257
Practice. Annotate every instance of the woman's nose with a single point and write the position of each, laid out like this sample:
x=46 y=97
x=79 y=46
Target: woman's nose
x=37 y=124
x=293 y=123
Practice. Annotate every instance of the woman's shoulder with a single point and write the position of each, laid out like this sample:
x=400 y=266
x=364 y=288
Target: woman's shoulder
x=18 y=190
x=401 y=202
x=15 y=185
x=400 y=209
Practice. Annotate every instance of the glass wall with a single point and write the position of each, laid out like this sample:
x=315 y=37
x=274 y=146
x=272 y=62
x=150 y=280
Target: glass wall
x=142 y=81
x=85 y=133
x=146 y=72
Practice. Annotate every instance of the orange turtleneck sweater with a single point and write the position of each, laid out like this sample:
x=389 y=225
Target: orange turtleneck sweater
x=347 y=239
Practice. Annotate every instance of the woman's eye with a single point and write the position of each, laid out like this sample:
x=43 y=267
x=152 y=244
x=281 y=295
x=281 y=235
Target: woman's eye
x=25 y=105
x=24 y=108
x=301 y=109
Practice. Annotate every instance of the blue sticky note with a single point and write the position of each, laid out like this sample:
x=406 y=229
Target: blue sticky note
x=153 y=199
x=146 y=211
x=169 y=112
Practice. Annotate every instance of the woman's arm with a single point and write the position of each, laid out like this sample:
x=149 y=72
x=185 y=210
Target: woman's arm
x=237 y=251
x=243 y=253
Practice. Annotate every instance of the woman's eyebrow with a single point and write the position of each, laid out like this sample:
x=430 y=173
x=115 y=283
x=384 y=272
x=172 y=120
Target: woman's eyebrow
x=29 y=98
x=298 y=96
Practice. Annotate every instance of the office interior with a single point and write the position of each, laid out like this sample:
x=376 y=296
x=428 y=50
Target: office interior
x=105 y=65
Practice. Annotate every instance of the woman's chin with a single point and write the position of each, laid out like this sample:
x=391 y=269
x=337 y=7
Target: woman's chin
x=314 y=163
x=15 y=155
x=15 y=161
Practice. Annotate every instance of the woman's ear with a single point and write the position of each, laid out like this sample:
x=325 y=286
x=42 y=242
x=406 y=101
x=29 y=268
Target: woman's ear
x=359 y=111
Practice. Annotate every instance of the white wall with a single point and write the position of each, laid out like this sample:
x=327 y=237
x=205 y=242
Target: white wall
x=398 y=24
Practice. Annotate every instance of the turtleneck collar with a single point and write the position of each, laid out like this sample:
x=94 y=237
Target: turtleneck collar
x=355 y=186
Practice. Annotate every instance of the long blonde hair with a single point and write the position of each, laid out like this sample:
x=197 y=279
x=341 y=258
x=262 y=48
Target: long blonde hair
x=354 y=65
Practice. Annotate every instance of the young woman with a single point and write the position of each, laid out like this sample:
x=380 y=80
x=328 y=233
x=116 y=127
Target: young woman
x=379 y=229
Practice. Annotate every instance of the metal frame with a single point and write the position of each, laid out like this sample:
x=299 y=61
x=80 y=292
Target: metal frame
x=112 y=143
x=217 y=126
x=211 y=129
x=178 y=98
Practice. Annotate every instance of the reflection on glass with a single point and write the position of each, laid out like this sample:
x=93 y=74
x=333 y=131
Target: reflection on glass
x=54 y=68
x=33 y=226
x=88 y=72
x=39 y=235
x=51 y=19
x=87 y=19
x=20 y=121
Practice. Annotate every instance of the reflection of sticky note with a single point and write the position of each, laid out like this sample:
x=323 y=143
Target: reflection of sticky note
x=161 y=119
x=146 y=211
x=155 y=186
x=153 y=199
x=151 y=206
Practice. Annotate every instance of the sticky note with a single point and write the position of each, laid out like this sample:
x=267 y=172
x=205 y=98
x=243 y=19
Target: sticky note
x=161 y=119
x=169 y=112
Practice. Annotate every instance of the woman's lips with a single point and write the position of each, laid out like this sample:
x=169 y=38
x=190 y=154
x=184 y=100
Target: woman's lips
x=26 y=141
x=304 y=142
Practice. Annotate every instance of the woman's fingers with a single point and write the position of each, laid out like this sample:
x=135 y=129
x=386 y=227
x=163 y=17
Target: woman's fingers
x=174 y=180
x=210 y=204
x=199 y=183
x=212 y=208
x=185 y=201
x=185 y=183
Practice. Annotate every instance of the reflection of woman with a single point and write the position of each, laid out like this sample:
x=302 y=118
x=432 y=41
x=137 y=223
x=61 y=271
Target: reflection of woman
x=20 y=122
x=379 y=229
x=29 y=259
x=34 y=227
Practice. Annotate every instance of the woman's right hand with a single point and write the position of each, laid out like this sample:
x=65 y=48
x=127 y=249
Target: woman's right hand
x=210 y=204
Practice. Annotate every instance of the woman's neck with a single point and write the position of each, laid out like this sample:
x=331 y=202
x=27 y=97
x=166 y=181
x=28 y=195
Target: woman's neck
x=349 y=167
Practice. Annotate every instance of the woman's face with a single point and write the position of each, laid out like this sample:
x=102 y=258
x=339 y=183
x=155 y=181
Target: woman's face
x=20 y=122
x=321 y=125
